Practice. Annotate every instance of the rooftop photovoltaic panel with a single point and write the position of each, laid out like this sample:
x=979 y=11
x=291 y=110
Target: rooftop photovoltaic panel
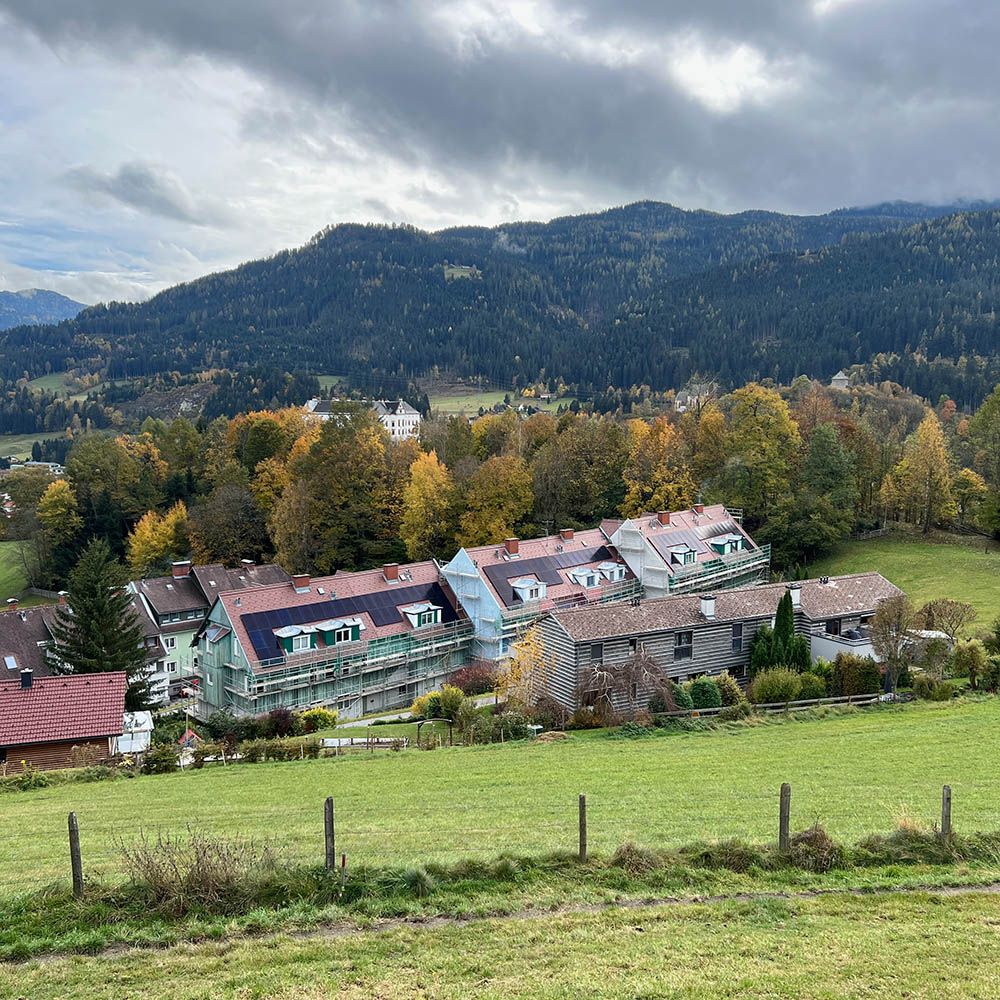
x=382 y=607
x=546 y=568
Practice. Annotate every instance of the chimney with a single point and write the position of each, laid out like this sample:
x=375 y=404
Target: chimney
x=12 y=604
x=391 y=572
x=663 y=517
x=26 y=676
x=511 y=545
x=247 y=564
x=699 y=508
x=566 y=534
x=62 y=597
x=300 y=581
x=179 y=569
x=796 y=591
x=708 y=605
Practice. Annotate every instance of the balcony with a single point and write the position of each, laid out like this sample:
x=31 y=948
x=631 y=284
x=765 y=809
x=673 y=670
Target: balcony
x=733 y=569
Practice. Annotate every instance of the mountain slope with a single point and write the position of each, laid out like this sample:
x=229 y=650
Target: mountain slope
x=596 y=299
x=35 y=305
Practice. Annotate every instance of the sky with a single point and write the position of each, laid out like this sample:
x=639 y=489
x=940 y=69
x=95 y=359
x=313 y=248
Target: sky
x=143 y=143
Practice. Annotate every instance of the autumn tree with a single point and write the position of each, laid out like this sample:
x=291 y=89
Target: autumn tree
x=498 y=498
x=948 y=616
x=970 y=491
x=428 y=501
x=919 y=487
x=710 y=446
x=893 y=630
x=657 y=474
x=158 y=538
x=525 y=676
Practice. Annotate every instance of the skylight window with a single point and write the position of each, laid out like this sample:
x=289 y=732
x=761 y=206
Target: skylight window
x=10 y=662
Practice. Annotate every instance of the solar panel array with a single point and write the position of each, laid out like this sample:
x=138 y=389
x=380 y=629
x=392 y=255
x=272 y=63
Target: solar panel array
x=695 y=538
x=382 y=606
x=546 y=568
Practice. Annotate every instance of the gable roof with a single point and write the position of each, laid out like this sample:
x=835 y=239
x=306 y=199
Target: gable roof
x=858 y=593
x=394 y=408
x=215 y=579
x=21 y=632
x=167 y=594
x=69 y=707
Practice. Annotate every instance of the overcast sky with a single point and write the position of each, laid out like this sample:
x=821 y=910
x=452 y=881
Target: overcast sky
x=143 y=143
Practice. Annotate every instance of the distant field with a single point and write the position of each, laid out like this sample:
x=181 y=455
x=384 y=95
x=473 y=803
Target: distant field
x=12 y=577
x=55 y=382
x=926 y=570
x=470 y=404
x=19 y=445
x=855 y=773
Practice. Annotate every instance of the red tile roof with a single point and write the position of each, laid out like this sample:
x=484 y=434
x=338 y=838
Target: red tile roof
x=68 y=707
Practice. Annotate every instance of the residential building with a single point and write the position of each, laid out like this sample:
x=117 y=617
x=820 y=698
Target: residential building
x=505 y=588
x=676 y=552
x=397 y=416
x=357 y=642
x=840 y=380
x=177 y=606
x=25 y=636
x=694 y=396
x=43 y=720
x=689 y=635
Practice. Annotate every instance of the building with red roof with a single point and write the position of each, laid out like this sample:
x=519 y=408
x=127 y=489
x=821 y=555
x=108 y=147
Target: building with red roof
x=42 y=719
x=357 y=642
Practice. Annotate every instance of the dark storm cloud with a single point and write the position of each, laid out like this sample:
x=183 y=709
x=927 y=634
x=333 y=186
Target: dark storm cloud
x=867 y=86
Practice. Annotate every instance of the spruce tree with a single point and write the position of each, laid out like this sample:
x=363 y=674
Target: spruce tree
x=98 y=631
x=784 y=631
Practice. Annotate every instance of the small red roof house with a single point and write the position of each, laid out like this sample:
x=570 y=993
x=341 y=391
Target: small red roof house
x=43 y=719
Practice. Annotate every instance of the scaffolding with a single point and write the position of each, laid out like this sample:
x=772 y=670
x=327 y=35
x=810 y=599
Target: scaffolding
x=738 y=569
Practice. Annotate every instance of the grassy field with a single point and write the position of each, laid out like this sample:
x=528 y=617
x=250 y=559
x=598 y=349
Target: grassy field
x=926 y=569
x=19 y=445
x=469 y=404
x=855 y=773
x=54 y=382
x=884 y=948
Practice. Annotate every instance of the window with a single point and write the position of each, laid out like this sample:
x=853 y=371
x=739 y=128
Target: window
x=169 y=642
x=300 y=643
x=171 y=666
x=533 y=594
x=683 y=645
x=632 y=644
x=591 y=580
x=597 y=652
x=738 y=638
x=738 y=672
x=209 y=681
x=833 y=626
x=342 y=635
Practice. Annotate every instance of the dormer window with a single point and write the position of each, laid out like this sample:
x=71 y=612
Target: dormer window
x=342 y=635
x=528 y=588
x=422 y=615
x=300 y=643
x=612 y=571
x=682 y=555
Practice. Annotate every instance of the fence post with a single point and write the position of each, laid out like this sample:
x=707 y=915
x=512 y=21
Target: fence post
x=74 y=856
x=946 y=811
x=583 y=827
x=784 y=814
x=331 y=844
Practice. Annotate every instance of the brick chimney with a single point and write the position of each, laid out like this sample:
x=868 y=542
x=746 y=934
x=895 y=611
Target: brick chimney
x=12 y=603
x=663 y=517
x=179 y=569
x=62 y=597
x=699 y=508
x=391 y=572
x=566 y=534
x=300 y=581
x=26 y=676
x=511 y=545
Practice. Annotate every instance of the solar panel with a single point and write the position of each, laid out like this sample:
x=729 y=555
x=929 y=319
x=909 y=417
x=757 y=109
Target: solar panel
x=546 y=568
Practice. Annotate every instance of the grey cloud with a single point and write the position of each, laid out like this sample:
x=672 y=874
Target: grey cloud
x=142 y=187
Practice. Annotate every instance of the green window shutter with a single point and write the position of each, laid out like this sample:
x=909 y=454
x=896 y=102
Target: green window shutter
x=286 y=645
x=355 y=633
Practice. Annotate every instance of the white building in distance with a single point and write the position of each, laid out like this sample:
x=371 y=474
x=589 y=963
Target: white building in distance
x=400 y=419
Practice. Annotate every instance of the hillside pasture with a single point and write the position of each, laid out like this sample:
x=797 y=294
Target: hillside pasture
x=856 y=773
x=959 y=568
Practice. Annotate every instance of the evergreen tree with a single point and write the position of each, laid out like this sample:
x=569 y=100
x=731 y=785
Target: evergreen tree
x=99 y=631
x=784 y=631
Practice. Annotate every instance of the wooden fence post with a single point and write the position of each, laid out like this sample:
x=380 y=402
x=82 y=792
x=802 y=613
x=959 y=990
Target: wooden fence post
x=583 y=827
x=331 y=843
x=946 y=811
x=74 y=856
x=784 y=815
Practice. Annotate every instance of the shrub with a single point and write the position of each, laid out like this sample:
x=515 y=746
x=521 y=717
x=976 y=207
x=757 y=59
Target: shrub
x=84 y=755
x=729 y=689
x=433 y=705
x=705 y=693
x=855 y=675
x=775 y=685
x=30 y=777
x=476 y=678
x=923 y=686
x=314 y=719
x=253 y=751
x=419 y=706
x=732 y=713
x=812 y=686
x=661 y=700
x=814 y=851
x=484 y=728
x=824 y=669
x=682 y=697
x=512 y=725
x=760 y=650
x=451 y=700
x=797 y=653
x=631 y=730
x=584 y=718
x=160 y=759
x=283 y=722
x=944 y=691
x=98 y=772
x=969 y=659
x=550 y=713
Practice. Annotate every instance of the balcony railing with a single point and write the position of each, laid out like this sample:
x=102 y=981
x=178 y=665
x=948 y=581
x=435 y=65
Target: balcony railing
x=736 y=565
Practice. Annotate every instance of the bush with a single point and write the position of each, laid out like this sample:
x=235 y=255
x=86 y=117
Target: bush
x=476 y=678
x=682 y=697
x=253 y=751
x=944 y=691
x=512 y=725
x=451 y=700
x=484 y=728
x=705 y=693
x=969 y=659
x=549 y=713
x=30 y=777
x=160 y=759
x=797 y=653
x=733 y=713
x=314 y=719
x=923 y=686
x=812 y=686
x=584 y=718
x=660 y=701
x=776 y=685
x=419 y=706
x=729 y=689
x=465 y=720
x=855 y=675
x=433 y=705
x=823 y=669
x=631 y=731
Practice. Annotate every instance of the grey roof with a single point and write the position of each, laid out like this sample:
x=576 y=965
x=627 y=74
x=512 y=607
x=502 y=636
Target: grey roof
x=546 y=568
x=394 y=407
x=20 y=633
x=167 y=594
x=842 y=595
x=215 y=579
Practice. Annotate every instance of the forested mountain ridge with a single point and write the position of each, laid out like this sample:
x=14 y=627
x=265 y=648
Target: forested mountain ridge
x=35 y=305
x=611 y=298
